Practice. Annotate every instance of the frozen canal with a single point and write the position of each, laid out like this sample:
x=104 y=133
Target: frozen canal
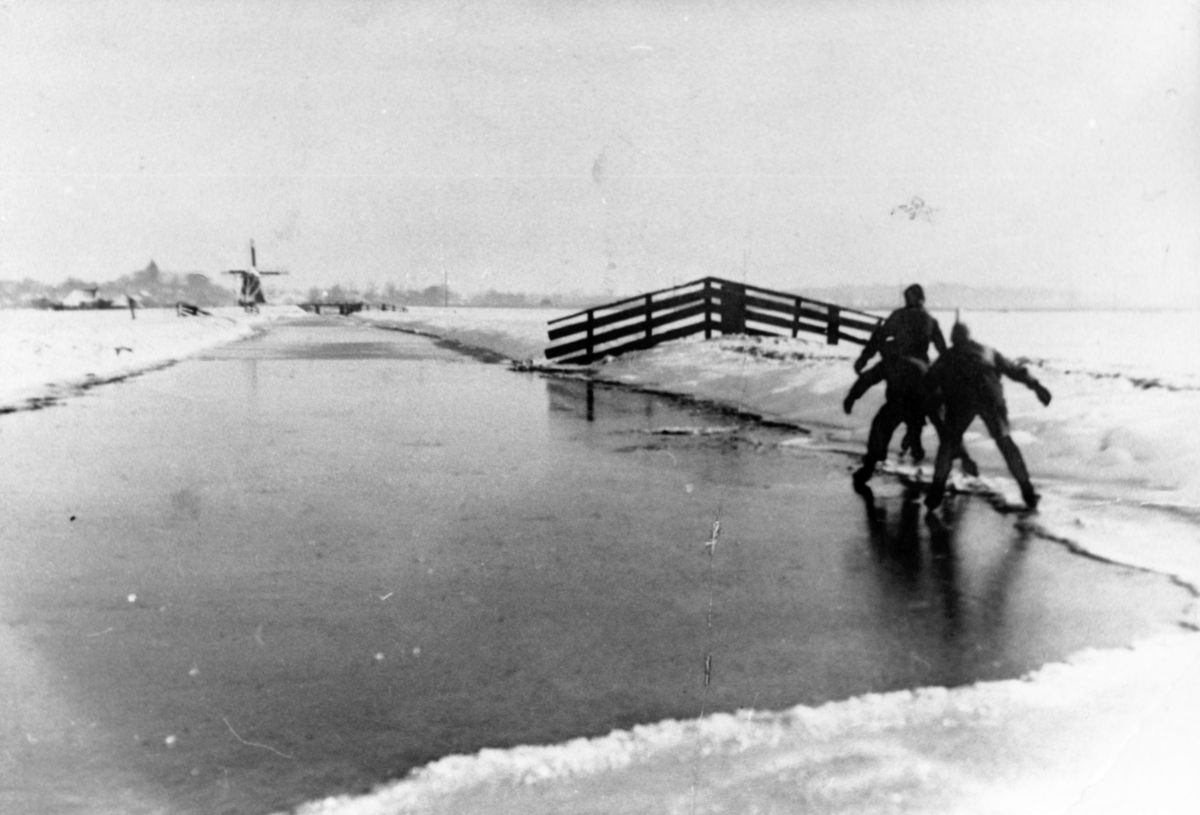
x=307 y=563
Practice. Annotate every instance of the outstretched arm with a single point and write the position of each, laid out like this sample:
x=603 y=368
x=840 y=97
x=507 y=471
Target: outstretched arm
x=866 y=380
x=875 y=344
x=869 y=350
x=1019 y=373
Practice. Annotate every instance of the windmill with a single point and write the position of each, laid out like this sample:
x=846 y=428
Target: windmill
x=251 y=295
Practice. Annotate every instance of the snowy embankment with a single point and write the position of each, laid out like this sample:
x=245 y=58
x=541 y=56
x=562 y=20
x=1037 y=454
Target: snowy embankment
x=1116 y=454
x=47 y=353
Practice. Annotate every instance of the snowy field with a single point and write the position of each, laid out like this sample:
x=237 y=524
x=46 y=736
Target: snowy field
x=1116 y=455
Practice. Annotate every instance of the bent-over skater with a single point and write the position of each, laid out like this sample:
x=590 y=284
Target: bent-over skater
x=966 y=380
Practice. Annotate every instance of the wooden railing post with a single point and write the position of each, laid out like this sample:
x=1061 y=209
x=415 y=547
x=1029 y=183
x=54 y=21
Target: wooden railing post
x=796 y=318
x=833 y=327
x=649 y=318
x=708 y=321
x=591 y=331
x=733 y=309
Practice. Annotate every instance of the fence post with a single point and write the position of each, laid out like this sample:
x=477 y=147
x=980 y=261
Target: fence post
x=649 y=318
x=834 y=326
x=708 y=323
x=590 y=333
x=796 y=318
x=733 y=309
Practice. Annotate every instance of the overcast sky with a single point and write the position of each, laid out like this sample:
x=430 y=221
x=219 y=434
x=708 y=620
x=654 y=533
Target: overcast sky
x=554 y=145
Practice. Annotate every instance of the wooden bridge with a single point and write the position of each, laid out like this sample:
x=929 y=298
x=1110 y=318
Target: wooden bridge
x=708 y=305
x=346 y=308
x=341 y=308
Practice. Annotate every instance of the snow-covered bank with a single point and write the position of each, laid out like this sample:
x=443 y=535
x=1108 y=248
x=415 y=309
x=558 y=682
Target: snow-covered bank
x=1112 y=732
x=43 y=353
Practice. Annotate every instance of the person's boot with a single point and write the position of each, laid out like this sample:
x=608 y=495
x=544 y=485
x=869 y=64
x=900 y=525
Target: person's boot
x=1030 y=496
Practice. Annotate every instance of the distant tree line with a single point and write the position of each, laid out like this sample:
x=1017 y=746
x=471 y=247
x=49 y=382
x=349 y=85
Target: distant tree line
x=152 y=287
x=430 y=296
x=149 y=287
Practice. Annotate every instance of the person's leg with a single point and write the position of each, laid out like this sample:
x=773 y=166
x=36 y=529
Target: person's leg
x=906 y=384
x=997 y=425
x=914 y=422
x=1016 y=465
x=950 y=446
x=936 y=414
x=968 y=464
x=882 y=427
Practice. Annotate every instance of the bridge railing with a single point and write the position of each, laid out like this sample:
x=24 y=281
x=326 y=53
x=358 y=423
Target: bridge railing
x=708 y=305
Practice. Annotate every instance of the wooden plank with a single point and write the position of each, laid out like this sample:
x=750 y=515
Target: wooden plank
x=642 y=343
x=634 y=299
x=632 y=313
x=861 y=314
x=863 y=325
x=778 y=322
x=842 y=335
x=817 y=315
x=781 y=306
x=625 y=331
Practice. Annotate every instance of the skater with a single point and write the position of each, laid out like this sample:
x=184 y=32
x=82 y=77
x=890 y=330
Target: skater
x=910 y=404
x=903 y=403
x=902 y=342
x=910 y=328
x=966 y=381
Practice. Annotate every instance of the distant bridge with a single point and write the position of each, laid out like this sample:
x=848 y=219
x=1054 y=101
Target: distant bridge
x=708 y=305
x=344 y=308
x=340 y=308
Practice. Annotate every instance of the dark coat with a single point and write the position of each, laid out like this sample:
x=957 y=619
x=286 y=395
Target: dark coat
x=907 y=332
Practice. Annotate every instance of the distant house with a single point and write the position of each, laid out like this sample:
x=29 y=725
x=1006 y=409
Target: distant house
x=80 y=298
x=85 y=298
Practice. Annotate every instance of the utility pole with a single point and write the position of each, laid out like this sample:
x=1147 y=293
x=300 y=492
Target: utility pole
x=437 y=218
x=445 y=275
